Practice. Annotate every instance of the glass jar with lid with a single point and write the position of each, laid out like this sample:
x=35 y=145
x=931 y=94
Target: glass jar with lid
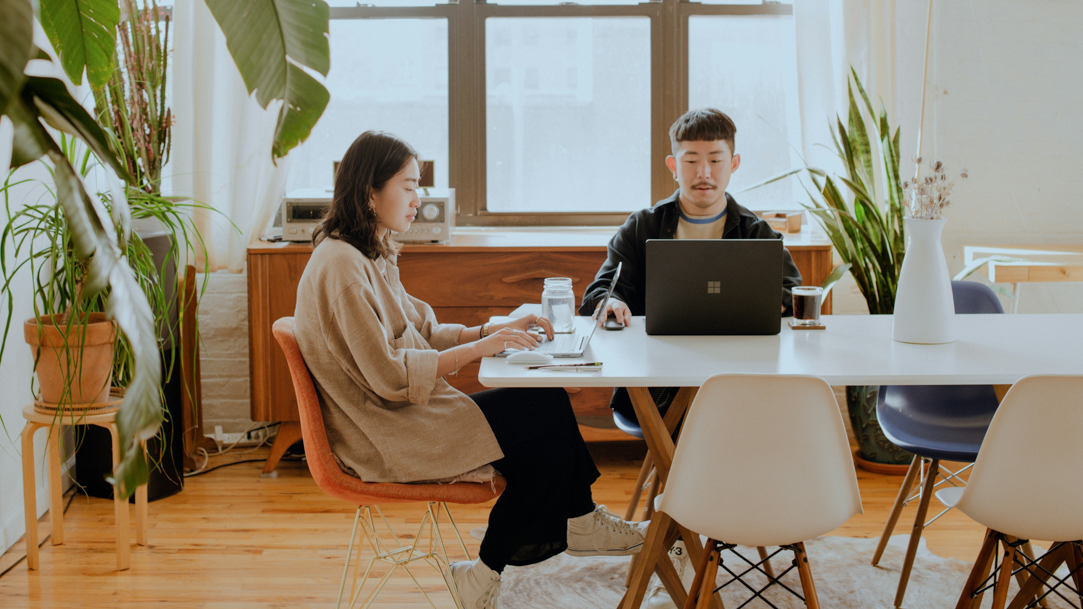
x=558 y=303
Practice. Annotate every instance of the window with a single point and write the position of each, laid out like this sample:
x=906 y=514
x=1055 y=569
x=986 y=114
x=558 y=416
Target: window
x=544 y=112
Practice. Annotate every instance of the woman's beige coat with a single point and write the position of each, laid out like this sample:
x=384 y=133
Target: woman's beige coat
x=372 y=350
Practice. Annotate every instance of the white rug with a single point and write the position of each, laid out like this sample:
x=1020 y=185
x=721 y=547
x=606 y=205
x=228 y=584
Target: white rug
x=840 y=565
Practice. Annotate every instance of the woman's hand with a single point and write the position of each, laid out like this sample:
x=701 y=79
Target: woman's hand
x=506 y=338
x=528 y=322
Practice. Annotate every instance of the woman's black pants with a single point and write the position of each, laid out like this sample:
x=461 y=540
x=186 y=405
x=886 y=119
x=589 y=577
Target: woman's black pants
x=548 y=471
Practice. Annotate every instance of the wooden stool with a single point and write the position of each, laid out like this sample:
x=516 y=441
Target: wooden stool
x=52 y=422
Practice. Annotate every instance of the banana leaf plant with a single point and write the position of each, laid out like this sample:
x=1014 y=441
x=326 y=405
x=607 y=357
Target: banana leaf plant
x=271 y=41
x=862 y=211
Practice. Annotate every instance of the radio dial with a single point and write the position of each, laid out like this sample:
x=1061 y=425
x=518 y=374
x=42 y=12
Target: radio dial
x=430 y=211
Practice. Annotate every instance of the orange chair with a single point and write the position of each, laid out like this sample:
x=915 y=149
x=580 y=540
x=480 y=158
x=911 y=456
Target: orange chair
x=367 y=495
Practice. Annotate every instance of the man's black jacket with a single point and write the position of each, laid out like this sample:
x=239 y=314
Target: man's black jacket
x=629 y=246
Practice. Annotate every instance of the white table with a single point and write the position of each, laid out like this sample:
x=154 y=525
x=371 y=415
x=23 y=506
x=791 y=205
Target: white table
x=853 y=350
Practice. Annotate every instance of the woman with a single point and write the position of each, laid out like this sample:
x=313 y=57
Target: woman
x=379 y=356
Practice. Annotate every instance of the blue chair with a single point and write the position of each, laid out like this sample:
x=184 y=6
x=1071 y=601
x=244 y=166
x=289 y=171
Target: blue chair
x=936 y=423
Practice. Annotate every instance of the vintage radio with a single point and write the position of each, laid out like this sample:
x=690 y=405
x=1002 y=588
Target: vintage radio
x=435 y=217
x=302 y=210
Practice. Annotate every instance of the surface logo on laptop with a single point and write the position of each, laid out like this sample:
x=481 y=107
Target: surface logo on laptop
x=714 y=287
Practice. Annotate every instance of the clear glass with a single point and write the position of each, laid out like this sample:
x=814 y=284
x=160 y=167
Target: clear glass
x=746 y=66
x=558 y=304
x=386 y=74
x=806 y=305
x=567 y=114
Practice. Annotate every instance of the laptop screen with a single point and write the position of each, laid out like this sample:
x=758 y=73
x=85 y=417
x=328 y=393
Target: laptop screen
x=608 y=294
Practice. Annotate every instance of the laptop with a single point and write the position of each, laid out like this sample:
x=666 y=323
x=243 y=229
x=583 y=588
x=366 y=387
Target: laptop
x=575 y=343
x=714 y=286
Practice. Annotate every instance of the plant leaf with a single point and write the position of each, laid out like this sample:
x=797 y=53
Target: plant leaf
x=61 y=111
x=833 y=278
x=140 y=413
x=774 y=178
x=859 y=143
x=16 y=44
x=31 y=140
x=84 y=34
x=269 y=40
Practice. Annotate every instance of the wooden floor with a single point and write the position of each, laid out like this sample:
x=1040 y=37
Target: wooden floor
x=234 y=540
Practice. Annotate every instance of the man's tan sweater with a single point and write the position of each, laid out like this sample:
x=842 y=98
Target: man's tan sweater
x=373 y=350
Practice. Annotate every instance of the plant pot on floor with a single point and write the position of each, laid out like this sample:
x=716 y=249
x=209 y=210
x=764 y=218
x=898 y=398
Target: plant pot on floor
x=73 y=362
x=875 y=452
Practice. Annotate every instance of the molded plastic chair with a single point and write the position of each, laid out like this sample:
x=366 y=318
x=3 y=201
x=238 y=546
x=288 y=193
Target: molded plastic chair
x=1027 y=483
x=788 y=475
x=935 y=422
x=367 y=495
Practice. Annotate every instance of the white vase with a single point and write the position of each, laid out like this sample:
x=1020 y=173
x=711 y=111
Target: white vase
x=924 y=306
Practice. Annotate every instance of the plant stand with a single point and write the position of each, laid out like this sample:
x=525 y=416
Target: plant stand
x=52 y=422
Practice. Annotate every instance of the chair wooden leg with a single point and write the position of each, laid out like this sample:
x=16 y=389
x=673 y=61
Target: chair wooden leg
x=896 y=510
x=766 y=563
x=699 y=595
x=1021 y=576
x=654 y=549
x=637 y=492
x=1057 y=555
x=56 y=493
x=978 y=573
x=120 y=508
x=1004 y=578
x=808 y=585
x=1075 y=562
x=915 y=534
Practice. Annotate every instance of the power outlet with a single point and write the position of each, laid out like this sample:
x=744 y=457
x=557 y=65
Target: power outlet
x=250 y=438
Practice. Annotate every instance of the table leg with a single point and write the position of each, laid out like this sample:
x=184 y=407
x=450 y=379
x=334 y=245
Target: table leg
x=56 y=493
x=659 y=443
x=288 y=433
x=30 y=500
x=120 y=507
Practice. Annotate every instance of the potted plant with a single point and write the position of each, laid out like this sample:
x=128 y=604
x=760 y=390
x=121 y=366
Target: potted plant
x=271 y=42
x=862 y=214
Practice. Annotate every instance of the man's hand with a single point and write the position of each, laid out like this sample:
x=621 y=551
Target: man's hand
x=619 y=310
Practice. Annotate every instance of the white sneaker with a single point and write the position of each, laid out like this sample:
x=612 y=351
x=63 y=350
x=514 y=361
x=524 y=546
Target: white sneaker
x=600 y=533
x=474 y=585
x=657 y=596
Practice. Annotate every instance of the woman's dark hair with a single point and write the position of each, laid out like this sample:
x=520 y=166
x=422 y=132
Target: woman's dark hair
x=372 y=159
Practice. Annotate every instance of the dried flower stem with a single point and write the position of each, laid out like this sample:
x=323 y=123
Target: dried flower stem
x=927 y=197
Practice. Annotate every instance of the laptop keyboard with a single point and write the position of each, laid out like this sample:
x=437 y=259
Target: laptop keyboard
x=561 y=343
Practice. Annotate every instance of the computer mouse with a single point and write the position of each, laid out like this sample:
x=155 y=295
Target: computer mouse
x=611 y=323
x=529 y=358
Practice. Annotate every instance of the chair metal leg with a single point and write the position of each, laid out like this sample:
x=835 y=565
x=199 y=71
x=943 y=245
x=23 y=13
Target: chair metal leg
x=428 y=546
x=896 y=510
x=915 y=534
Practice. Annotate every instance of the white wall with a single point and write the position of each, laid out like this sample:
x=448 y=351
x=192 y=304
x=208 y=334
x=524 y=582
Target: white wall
x=1005 y=83
x=15 y=374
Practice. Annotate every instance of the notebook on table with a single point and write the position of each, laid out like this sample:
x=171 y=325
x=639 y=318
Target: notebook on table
x=714 y=286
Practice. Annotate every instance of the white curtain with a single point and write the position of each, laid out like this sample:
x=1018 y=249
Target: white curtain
x=221 y=140
x=884 y=41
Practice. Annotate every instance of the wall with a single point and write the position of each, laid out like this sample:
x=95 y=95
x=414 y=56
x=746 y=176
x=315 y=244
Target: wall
x=1003 y=101
x=223 y=322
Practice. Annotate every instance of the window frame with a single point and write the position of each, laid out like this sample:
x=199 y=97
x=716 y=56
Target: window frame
x=467 y=93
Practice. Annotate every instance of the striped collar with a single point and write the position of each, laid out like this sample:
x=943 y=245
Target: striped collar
x=710 y=220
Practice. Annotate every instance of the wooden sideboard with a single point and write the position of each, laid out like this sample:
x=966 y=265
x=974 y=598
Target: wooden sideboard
x=484 y=272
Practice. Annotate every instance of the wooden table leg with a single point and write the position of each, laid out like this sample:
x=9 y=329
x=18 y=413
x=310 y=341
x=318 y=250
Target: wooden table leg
x=659 y=443
x=56 y=492
x=288 y=433
x=655 y=548
x=120 y=508
x=30 y=499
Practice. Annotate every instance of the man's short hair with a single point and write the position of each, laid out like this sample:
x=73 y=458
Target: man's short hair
x=702 y=125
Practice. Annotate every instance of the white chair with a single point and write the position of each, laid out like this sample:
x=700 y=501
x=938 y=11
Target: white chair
x=762 y=461
x=1027 y=483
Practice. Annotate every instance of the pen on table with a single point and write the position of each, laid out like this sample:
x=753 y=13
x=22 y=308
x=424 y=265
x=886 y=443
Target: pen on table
x=584 y=365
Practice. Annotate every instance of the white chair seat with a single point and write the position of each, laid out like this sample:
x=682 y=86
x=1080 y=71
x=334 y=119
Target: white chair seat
x=950 y=496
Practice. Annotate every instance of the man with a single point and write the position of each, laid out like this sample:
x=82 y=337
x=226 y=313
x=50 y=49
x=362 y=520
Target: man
x=702 y=162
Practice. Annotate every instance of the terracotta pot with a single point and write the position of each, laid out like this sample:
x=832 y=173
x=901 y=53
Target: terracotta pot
x=82 y=360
